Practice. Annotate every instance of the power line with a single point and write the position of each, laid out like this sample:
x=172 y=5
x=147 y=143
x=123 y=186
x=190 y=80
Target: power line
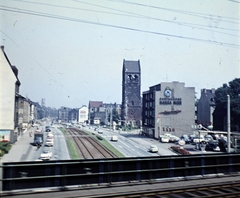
x=22 y=11
x=40 y=66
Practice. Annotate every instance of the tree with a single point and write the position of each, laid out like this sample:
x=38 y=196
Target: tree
x=220 y=113
x=115 y=116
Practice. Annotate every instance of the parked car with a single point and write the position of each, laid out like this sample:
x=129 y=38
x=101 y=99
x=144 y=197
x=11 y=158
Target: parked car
x=173 y=138
x=153 y=149
x=185 y=138
x=46 y=155
x=198 y=139
x=212 y=146
x=164 y=138
x=208 y=138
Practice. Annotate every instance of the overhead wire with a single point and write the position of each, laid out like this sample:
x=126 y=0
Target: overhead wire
x=24 y=11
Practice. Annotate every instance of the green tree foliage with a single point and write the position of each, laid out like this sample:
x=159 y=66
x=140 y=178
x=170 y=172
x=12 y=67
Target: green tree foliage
x=115 y=116
x=4 y=148
x=233 y=90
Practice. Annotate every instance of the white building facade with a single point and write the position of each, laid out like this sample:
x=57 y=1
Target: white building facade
x=168 y=107
x=9 y=88
x=83 y=114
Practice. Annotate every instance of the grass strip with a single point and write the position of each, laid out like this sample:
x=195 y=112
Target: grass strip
x=106 y=144
x=72 y=150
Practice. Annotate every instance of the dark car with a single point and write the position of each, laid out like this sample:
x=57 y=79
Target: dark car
x=186 y=139
x=212 y=145
x=48 y=128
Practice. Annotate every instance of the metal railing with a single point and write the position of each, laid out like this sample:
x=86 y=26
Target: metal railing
x=38 y=174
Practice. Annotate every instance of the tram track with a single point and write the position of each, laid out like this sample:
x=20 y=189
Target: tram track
x=88 y=146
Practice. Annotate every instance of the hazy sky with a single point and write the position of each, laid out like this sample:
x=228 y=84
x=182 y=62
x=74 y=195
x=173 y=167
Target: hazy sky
x=72 y=51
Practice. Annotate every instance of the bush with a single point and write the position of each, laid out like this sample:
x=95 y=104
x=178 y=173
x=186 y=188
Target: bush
x=99 y=137
x=4 y=148
x=180 y=150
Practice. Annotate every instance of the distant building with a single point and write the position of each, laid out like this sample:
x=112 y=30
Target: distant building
x=9 y=90
x=131 y=93
x=24 y=113
x=206 y=107
x=73 y=116
x=168 y=107
x=96 y=112
x=43 y=102
x=83 y=114
x=63 y=114
x=99 y=112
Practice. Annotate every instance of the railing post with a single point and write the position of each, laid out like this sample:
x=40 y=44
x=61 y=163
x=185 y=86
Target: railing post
x=202 y=165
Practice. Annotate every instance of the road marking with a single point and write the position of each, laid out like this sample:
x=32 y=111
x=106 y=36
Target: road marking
x=133 y=149
x=126 y=145
x=120 y=146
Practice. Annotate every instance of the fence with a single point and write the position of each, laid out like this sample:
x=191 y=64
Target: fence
x=37 y=174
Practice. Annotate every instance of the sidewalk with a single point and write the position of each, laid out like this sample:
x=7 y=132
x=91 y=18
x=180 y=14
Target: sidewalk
x=19 y=149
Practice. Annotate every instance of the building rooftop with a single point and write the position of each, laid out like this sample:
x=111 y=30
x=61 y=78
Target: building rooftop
x=131 y=66
x=95 y=104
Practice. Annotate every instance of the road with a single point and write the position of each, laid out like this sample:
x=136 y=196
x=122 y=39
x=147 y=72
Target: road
x=130 y=144
x=59 y=150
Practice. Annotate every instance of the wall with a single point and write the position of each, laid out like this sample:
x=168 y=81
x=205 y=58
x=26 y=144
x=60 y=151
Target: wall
x=7 y=94
x=175 y=118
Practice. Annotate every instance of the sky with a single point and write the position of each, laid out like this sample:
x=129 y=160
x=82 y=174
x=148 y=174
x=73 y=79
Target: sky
x=71 y=51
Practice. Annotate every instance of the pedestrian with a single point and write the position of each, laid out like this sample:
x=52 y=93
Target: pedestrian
x=38 y=145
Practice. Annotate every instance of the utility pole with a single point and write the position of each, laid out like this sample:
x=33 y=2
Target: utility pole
x=228 y=124
x=111 y=117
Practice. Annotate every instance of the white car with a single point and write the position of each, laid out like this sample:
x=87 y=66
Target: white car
x=198 y=139
x=173 y=138
x=46 y=155
x=49 y=142
x=114 y=138
x=100 y=131
x=164 y=138
x=50 y=135
x=153 y=149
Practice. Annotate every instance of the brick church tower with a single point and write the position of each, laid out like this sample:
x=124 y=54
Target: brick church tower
x=131 y=93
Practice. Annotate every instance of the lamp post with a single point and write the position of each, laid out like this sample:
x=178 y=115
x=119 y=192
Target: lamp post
x=159 y=126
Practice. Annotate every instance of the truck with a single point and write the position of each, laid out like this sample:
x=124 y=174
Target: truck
x=38 y=138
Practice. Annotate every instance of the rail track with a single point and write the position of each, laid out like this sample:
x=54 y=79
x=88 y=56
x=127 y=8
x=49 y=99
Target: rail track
x=229 y=190
x=88 y=146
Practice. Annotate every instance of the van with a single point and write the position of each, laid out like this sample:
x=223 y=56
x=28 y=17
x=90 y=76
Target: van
x=114 y=138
